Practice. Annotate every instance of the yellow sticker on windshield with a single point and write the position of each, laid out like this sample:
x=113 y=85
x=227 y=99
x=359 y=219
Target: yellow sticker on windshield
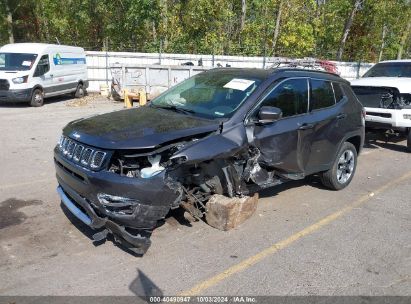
x=239 y=84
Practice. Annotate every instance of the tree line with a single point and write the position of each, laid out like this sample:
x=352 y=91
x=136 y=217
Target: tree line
x=350 y=30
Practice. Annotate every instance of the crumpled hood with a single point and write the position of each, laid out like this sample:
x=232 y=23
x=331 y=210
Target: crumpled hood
x=403 y=84
x=139 y=128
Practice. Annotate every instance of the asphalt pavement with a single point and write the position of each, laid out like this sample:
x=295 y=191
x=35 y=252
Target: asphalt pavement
x=303 y=239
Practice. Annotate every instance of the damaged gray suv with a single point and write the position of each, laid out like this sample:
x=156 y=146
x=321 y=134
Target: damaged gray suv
x=224 y=133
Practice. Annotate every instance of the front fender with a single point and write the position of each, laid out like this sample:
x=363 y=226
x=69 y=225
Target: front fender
x=222 y=145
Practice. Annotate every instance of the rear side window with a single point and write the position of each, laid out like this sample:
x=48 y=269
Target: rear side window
x=338 y=92
x=348 y=92
x=291 y=97
x=322 y=95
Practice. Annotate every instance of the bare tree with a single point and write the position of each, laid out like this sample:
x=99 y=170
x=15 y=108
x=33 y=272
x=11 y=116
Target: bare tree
x=347 y=27
x=9 y=21
x=404 y=37
x=277 y=27
x=384 y=33
x=243 y=14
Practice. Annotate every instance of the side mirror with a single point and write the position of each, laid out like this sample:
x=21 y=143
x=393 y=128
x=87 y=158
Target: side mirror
x=269 y=114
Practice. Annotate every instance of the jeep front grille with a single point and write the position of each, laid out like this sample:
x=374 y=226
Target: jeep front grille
x=81 y=154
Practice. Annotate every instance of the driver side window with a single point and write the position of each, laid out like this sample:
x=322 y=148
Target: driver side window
x=291 y=96
x=43 y=66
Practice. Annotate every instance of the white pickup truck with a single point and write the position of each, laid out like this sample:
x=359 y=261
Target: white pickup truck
x=385 y=92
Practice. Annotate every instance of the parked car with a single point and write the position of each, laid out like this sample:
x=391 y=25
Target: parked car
x=226 y=131
x=385 y=92
x=30 y=72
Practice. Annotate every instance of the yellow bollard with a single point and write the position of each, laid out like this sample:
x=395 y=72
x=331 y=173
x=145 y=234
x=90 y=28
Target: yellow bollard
x=142 y=97
x=128 y=102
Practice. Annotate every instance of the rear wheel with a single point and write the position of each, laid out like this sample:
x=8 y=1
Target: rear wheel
x=409 y=140
x=80 y=91
x=343 y=169
x=37 y=98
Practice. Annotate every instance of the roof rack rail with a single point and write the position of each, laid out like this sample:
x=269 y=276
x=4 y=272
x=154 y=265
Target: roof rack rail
x=306 y=63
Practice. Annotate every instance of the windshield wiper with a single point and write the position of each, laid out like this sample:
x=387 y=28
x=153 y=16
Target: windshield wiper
x=175 y=109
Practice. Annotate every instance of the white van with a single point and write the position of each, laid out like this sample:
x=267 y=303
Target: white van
x=30 y=72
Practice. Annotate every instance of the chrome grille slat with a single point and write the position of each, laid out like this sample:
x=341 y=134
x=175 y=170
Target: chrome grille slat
x=71 y=148
x=97 y=159
x=79 y=153
x=85 y=159
x=65 y=146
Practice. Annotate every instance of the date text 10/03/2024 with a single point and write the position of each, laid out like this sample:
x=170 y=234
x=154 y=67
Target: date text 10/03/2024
x=203 y=299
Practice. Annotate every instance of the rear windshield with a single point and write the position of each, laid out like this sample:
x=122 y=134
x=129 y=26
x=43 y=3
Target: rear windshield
x=390 y=69
x=16 y=61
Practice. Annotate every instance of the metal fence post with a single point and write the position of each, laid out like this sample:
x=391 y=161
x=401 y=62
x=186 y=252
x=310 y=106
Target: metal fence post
x=106 y=62
x=160 y=50
x=264 y=53
x=358 y=69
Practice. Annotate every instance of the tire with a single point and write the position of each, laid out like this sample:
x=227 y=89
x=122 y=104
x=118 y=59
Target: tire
x=37 y=98
x=80 y=91
x=343 y=169
x=409 y=140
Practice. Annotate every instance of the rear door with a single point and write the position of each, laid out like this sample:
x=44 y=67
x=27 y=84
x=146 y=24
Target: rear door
x=329 y=117
x=285 y=143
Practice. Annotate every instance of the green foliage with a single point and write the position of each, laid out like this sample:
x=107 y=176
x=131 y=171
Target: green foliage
x=306 y=28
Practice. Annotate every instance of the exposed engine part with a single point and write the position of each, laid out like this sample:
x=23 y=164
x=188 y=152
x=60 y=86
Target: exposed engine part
x=142 y=165
x=382 y=97
x=154 y=169
x=256 y=173
x=195 y=203
x=230 y=190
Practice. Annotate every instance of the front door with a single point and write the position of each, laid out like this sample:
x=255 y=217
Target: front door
x=285 y=144
x=43 y=75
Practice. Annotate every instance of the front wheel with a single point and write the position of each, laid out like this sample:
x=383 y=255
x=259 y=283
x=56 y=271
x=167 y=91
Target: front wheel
x=343 y=169
x=37 y=98
x=409 y=140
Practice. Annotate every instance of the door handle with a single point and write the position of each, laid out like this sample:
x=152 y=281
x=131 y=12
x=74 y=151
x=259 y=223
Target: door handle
x=306 y=126
x=341 y=116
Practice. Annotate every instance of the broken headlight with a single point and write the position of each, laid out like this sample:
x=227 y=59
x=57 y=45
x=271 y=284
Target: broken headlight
x=118 y=204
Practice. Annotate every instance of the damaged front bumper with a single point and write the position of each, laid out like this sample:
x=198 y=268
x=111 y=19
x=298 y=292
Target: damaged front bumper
x=129 y=208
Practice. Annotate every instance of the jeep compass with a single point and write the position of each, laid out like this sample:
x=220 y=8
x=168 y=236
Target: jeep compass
x=227 y=132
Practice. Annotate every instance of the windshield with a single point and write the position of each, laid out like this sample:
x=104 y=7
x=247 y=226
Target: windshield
x=16 y=61
x=213 y=94
x=390 y=69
